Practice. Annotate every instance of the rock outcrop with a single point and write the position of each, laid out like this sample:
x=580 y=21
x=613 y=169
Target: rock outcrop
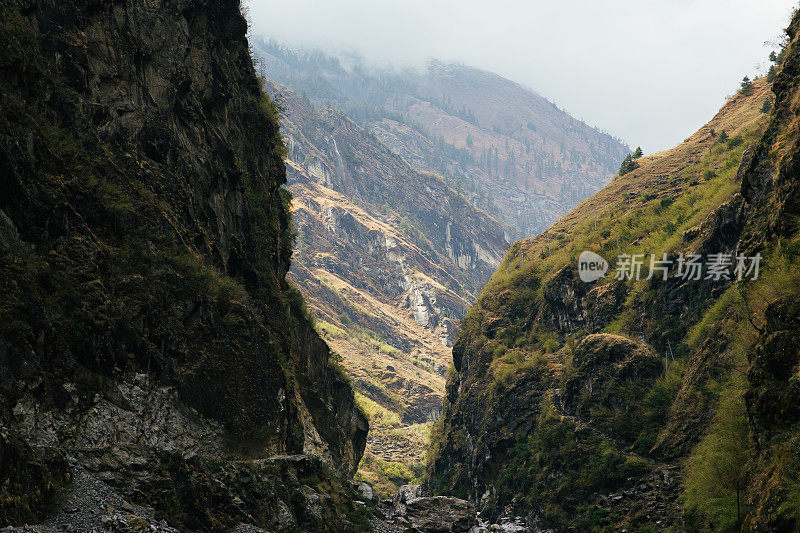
x=439 y=514
x=413 y=511
x=771 y=191
x=147 y=332
x=609 y=372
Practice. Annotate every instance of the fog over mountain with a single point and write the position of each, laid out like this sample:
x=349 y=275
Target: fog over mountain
x=689 y=54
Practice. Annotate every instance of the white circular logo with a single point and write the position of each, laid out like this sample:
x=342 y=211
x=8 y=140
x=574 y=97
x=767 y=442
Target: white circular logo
x=591 y=266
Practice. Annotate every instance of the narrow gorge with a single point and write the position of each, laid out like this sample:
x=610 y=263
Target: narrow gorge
x=250 y=286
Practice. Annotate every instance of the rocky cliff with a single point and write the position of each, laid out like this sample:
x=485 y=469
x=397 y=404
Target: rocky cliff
x=149 y=341
x=390 y=259
x=663 y=402
x=771 y=194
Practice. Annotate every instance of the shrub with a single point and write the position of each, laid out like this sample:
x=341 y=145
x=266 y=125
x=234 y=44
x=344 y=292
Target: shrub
x=17 y=39
x=771 y=74
x=559 y=463
x=298 y=303
x=735 y=142
x=715 y=468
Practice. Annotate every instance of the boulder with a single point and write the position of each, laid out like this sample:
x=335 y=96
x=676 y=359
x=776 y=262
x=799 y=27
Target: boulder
x=364 y=491
x=440 y=514
x=403 y=495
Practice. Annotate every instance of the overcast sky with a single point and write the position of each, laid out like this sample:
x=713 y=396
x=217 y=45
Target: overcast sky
x=650 y=72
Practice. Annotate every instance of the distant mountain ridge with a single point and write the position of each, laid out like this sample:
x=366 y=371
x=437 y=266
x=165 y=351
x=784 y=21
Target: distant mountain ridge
x=509 y=150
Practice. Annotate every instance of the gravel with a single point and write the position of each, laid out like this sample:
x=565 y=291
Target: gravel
x=382 y=526
x=92 y=506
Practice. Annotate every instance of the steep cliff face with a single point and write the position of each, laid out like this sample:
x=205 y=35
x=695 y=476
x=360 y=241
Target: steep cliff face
x=771 y=189
x=144 y=241
x=599 y=404
x=390 y=259
x=339 y=155
x=398 y=220
x=509 y=150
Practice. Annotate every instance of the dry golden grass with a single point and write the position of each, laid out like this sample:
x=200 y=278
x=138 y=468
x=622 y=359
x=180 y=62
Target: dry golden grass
x=662 y=172
x=672 y=175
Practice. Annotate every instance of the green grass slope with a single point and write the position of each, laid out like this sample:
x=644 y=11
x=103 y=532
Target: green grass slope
x=625 y=403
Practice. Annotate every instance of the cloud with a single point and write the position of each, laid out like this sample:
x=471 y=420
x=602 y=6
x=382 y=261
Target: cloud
x=650 y=71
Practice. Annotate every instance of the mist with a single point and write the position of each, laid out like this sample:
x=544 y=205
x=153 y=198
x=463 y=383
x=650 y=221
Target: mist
x=650 y=72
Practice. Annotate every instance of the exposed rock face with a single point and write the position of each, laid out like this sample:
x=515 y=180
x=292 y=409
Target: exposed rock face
x=29 y=481
x=773 y=411
x=280 y=493
x=390 y=259
x=395 y=232
x=774 y=397
x=145 y=319
x=771 y=189
x=609 y=371
x=334 y=152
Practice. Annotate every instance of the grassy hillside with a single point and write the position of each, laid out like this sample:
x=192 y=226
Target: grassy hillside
x=609 y=401
x=658 y=208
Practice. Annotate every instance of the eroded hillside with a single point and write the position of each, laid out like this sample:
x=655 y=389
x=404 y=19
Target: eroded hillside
x=390 y=259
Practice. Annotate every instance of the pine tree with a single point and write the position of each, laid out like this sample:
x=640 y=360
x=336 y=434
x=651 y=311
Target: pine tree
x=747 y=86
x=628 y=165
x=771 y=73
x=638 y=153
x=767 y=106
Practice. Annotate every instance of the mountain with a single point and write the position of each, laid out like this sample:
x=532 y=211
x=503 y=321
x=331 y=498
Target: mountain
x=157 y=372
x=390 y=254
x=510 y=151
x=390 y=258
x=664 y=402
